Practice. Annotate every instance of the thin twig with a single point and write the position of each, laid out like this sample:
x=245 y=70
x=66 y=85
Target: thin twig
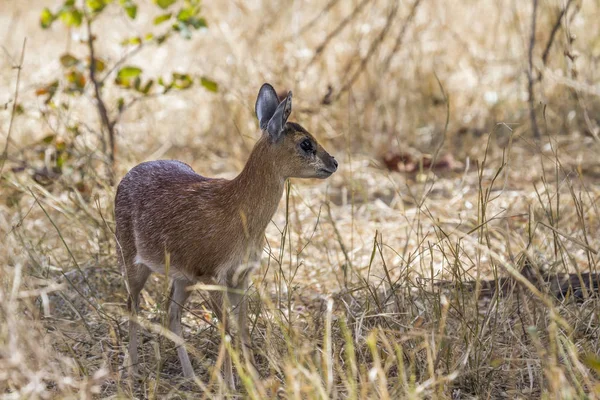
x=18 y=67
x=132 y=102
x=374 y=46
x=557 y=25
x=121 y=61
x=313 y=21
x=534 y=125
x=337 y=30
x=400 y=37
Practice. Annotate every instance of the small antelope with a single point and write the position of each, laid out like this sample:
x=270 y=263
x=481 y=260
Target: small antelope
x=211 y=229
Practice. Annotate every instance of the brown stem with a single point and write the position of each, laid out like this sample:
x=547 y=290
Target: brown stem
x=107 y=124
x=557 y=24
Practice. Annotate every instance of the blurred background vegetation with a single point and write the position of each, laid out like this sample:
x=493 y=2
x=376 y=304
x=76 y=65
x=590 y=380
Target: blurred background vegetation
x=467 y=135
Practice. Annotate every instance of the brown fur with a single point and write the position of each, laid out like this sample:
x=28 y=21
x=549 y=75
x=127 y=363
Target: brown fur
x=212 y=229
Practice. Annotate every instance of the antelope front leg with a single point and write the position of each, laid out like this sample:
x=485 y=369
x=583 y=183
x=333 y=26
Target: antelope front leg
x=219 y=303
x=239 y=302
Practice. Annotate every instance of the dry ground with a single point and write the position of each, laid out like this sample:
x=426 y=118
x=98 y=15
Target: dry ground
x=345 y=302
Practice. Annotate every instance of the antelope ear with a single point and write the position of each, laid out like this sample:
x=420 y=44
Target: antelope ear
x=280 y=117
x=266 y=105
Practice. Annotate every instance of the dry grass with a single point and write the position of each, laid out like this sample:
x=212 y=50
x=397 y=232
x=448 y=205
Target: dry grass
x=347 y=303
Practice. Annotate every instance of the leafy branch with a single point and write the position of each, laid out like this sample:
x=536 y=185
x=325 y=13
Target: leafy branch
x=83 y=72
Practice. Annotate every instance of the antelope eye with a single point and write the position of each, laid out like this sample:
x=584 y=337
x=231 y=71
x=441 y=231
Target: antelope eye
x=306 y=145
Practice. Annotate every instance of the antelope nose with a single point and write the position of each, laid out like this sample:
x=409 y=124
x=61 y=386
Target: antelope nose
x=335 y=164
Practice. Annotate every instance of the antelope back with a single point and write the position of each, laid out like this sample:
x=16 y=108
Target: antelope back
x=165 y=207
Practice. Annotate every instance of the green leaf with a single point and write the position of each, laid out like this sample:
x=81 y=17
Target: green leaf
x=128 y=76
x=131 y=41
x=96 y=5
x=120 y=104
x=130 y=8
x=162 y=18
x=99 y=65
x=71 y=16
x=131 y=11
x=189 y=17
x=67 y=60
x=164 y=4
x=129 y=72
x=76 y=81
x=198 y=23
x=62 y=157
x=166 y=86
x=49 y=138
x=185 y=14
x=147 y=87
x=209 y=84
x=46 y=18
x=162 y=38
x=74 y=129
x=182 y=81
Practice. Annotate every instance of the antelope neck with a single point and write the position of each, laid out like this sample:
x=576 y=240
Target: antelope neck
x=259 y=187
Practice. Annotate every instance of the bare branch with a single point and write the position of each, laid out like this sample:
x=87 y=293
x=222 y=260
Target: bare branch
x=374 y=46
x=107 y=125
x=337 y=31
x=324 y=11
x=18 y=67
x=557 y=25
x=400 y=37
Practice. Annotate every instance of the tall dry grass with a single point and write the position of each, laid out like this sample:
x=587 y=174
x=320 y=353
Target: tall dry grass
x=371 y=282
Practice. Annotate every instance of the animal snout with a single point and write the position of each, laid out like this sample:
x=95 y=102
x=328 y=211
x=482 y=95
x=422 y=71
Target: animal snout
x=334 y=163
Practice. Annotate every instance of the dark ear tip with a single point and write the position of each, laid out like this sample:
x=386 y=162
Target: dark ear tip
x=266 y=86
x=289 y=94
